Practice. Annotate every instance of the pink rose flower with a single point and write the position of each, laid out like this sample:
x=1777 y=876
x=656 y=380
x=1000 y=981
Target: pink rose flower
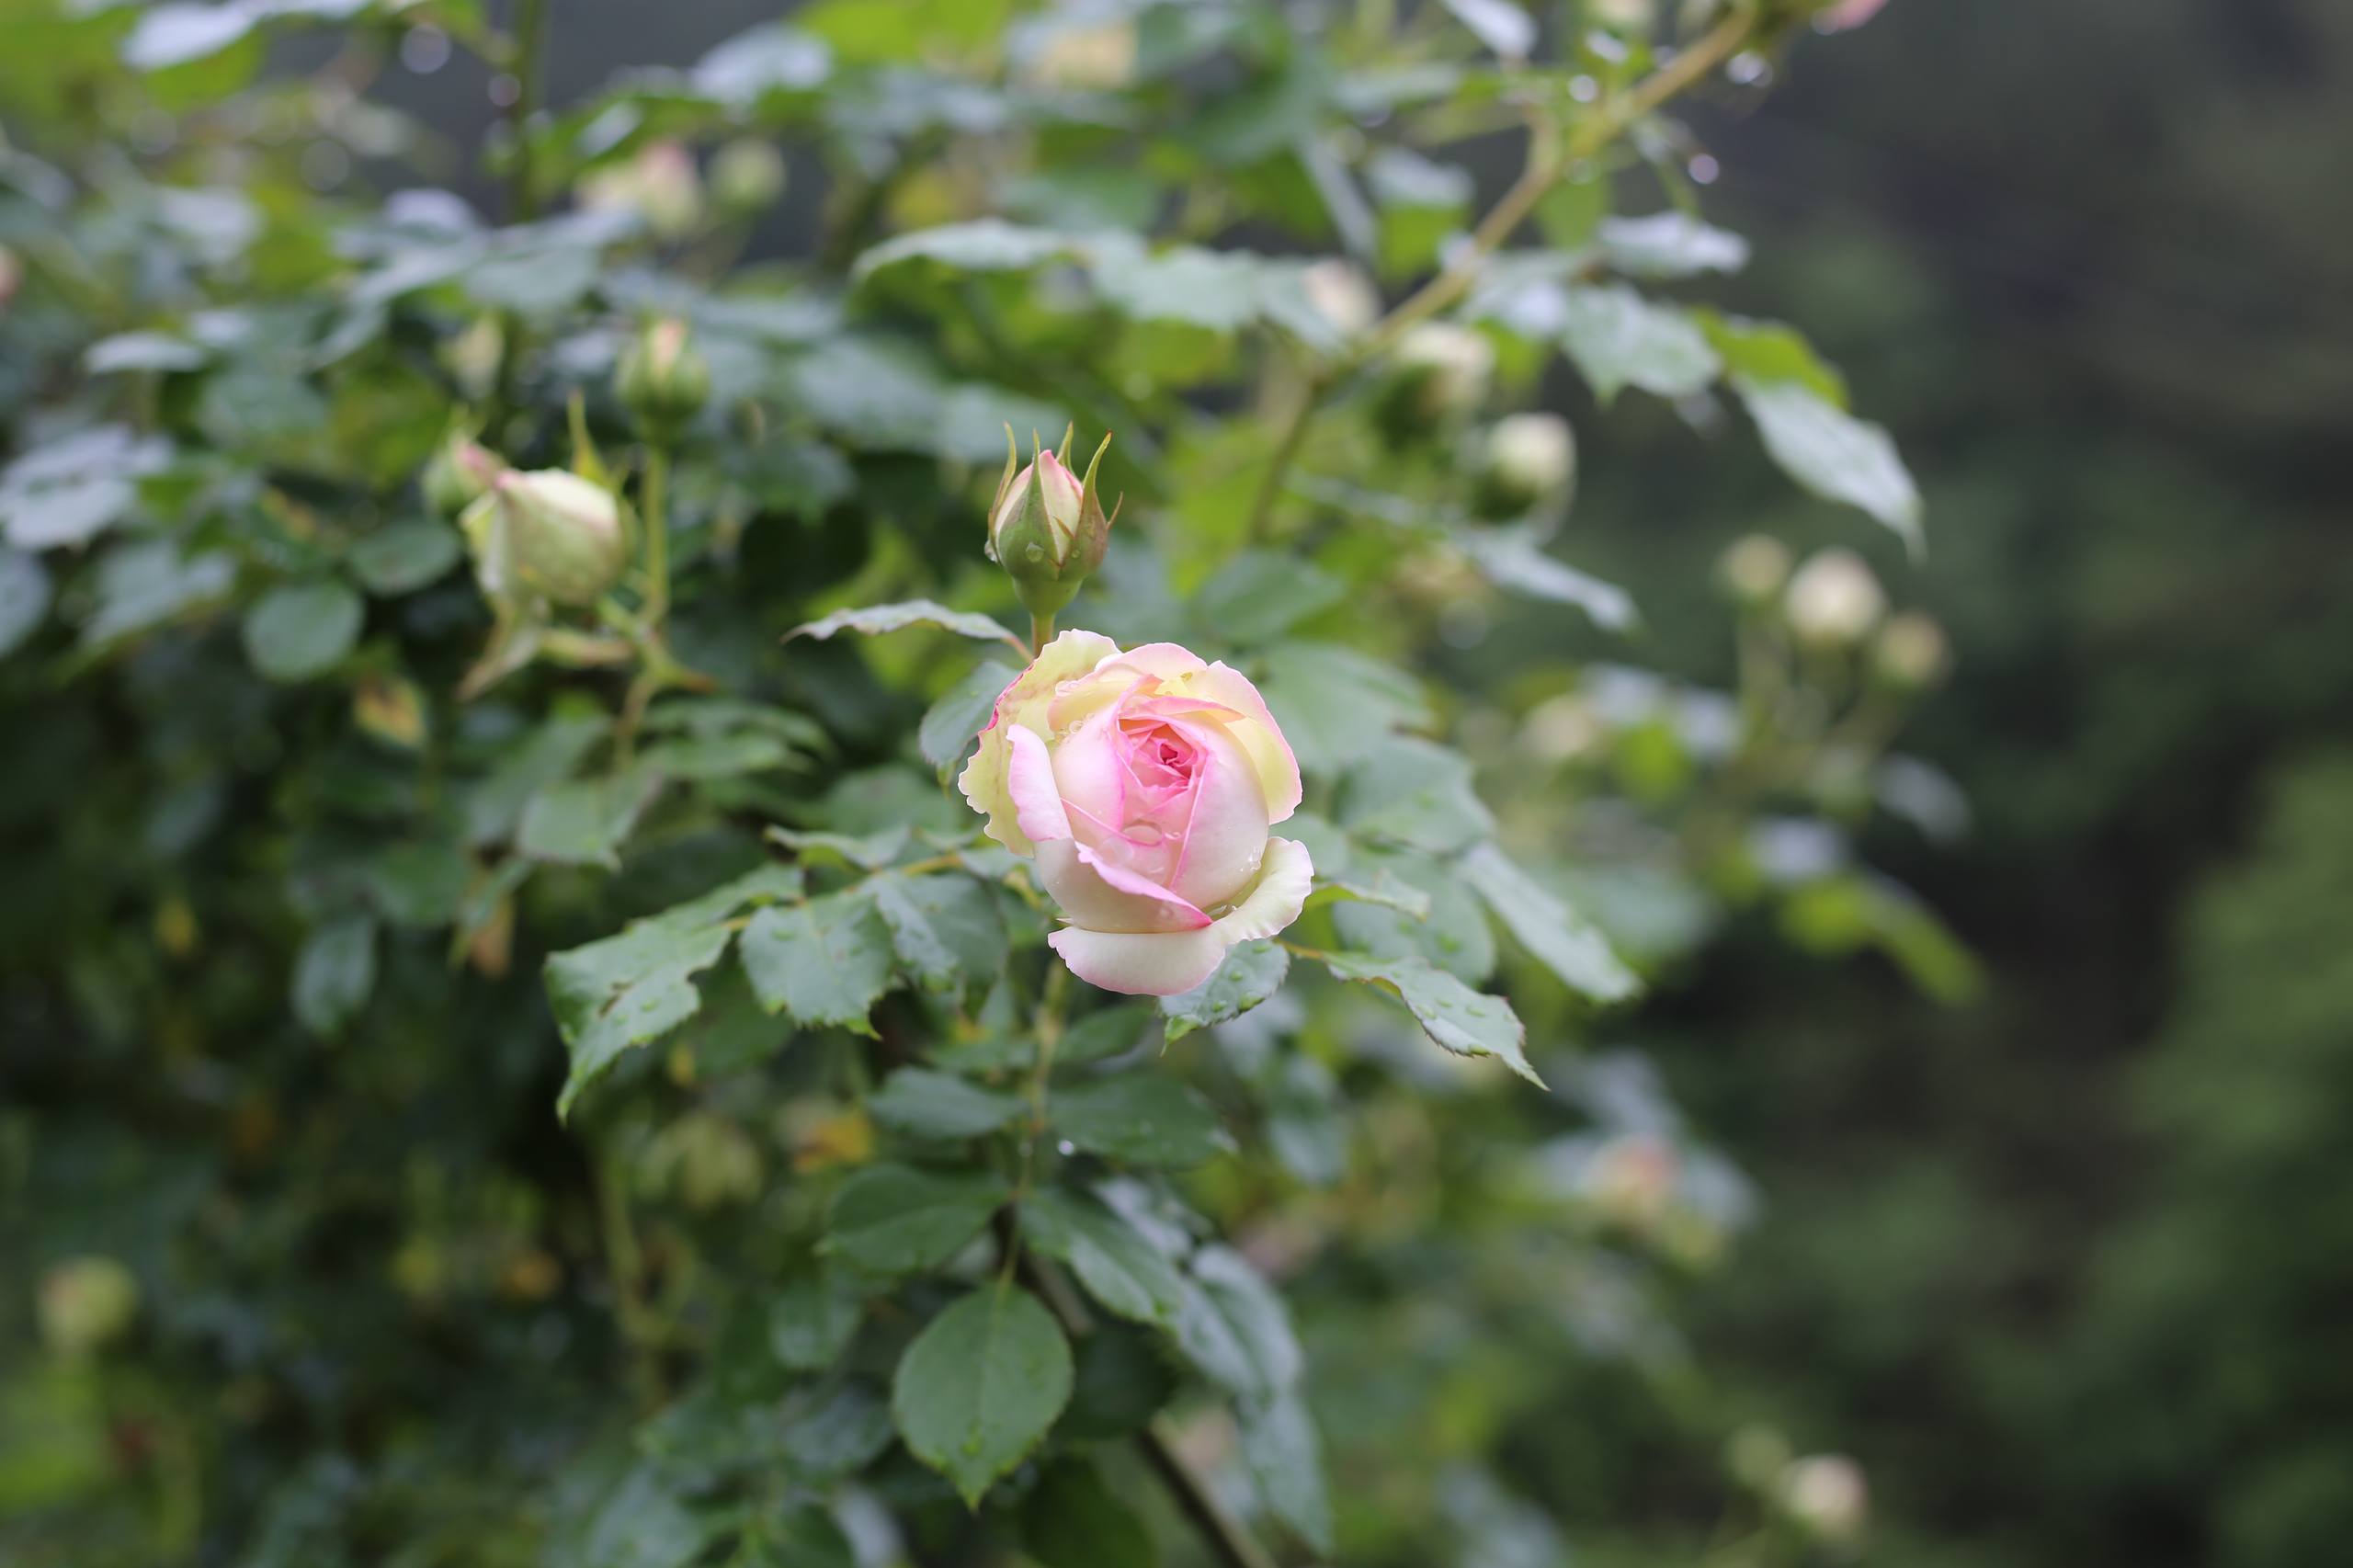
x=1143 y=783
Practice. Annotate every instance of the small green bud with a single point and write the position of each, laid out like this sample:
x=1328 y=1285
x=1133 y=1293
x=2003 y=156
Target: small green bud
x=1910 y=653
x=1438 y=377
x=748 y=176
x=549 y=533
x=661 y=380
x=1047 y=528
x=86 y=1303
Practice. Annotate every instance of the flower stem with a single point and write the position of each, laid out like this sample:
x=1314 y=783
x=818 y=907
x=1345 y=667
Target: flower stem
x=530 y=52
x=1041 y=631
x=653 y=499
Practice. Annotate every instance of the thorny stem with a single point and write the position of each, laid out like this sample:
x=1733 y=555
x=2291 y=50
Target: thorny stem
x=1549 y=156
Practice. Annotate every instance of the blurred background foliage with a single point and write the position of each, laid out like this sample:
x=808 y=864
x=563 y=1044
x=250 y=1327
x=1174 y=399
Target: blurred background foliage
x=2057 y=1254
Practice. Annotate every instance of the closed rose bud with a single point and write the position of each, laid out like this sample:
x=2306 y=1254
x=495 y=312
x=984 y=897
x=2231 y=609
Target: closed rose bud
x=661 y=380
x=660 y=184
x=746 y=176
x=457 y=475
x=1438 y=377
x=1528 y=458
x=1341 y=293
x=1841 y=14
x=547 y=533
x=1910 y=653
x=1826 y=1496
x=1631 y=1179
x=1047 y=526
x=1753 y=569
x=85 y=1304
x=1833 y=600
x=1143 y=784
x=1634 y=18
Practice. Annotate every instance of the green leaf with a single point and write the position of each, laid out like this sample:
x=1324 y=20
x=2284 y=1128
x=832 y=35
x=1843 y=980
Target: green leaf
x=1768 y=351
x=1123 y=1379
x=1514 y=558
x=145 y=585
x=175 y=34
x=825 y=962
x=545 y=757
x=761 y=60
x=1570 y=945
x=945 y=927
x=938 y=1104
x=404 y=556
x=1249 y=974
x=1501 y=24
x=334 y=974
x=302 y=631
x=1620 y=339
x=1259 y=595
x=1451 y=932
x=984 y=245
x=585 y=821
x=422 y=883
x=1075 y=1520
x=1142 y=1117
x=875 y=619
x=891 y=1218
x=1669 y=244
x=1113 y=1031
x=638 y=985
x=1235 y=1328
x=24 y=598
x=813 y=1319
x=1334 y=704
x=1413 y=792
x=708 y=756
x=130 y=351
x=1467 y=1022
x=947 y=728
x=980 y=1385
x=1280 y=1447
x=1117 y=1263
x=868 y=852
x=1833 y=454
x=805 y=1536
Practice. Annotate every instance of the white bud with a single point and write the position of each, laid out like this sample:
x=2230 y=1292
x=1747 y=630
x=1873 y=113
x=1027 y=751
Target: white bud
x=1532 y=454
x=1754 y=568
x=1340 y=292
x=1826 y=1495
x=1911 y=652
x=1833 y=601
x=1100 y=58
x=84 y=1304
x=1451 y=365
x=748 y=175
x=660 y=184
x=1626 y=16
x=1562 y=728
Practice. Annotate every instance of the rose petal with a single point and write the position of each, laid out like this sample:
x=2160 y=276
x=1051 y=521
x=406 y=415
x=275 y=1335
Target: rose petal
x=1089 y=775
x=1141 y=963
x=1257 y=732
x=1166 y=660
x=1284 y=884
x=1163 y=963
x=986 y=780
x=1029 y=778
x=1225 y=835
x=1099 y=895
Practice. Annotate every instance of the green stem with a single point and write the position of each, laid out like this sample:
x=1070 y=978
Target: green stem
x=627 y=1264
x=529 y=65
x=1548 y=159
x=655 y=502
x=1041 y=631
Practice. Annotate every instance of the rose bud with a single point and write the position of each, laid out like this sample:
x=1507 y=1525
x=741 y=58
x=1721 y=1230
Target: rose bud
x=1340 y=292
x=1910 y=653
x=1826 y=1496
x=457 y=475
x=1438 y=376
x=661 y=380
x=1047 y=526
x=85 y=1304
x=549 y=533
x=1833 y=601
x=659 y=185
x=1528 y=458
x=1143 y=783
x=1840 y=15
x=746 y=176
x=1753 y=569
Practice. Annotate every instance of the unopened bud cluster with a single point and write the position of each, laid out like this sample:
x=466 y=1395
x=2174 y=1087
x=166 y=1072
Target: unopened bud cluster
x=1833 y=605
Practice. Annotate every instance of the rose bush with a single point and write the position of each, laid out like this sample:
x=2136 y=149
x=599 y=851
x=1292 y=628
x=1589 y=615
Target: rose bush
x=1145 y=783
